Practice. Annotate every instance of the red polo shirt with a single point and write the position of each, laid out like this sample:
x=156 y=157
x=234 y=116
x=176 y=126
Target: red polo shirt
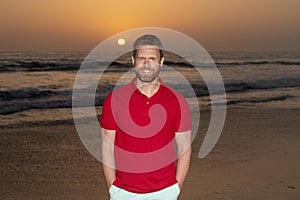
x=145 y=130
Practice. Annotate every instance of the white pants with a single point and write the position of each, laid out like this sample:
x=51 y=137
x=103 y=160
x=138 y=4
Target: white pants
x=169 y=193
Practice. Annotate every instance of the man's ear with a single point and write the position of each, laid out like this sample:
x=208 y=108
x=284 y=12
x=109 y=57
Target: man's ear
x=162 y=60
x=132 y=60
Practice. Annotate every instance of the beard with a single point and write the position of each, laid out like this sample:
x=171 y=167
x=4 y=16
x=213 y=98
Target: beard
x=148 y=76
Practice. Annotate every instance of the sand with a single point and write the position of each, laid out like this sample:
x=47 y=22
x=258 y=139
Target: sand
x=257 y=157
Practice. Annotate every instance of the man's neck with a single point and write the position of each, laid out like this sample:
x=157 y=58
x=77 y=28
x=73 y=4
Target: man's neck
x=148 y=88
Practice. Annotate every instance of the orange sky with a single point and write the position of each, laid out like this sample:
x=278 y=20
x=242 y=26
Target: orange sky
x=227 y=25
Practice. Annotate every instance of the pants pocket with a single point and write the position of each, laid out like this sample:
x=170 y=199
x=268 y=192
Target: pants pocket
x=177 y=189
x=113 y=190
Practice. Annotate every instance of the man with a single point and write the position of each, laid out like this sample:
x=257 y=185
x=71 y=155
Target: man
x=142 y=119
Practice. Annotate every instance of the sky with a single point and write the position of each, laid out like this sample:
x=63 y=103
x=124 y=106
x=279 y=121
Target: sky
x=218 y=25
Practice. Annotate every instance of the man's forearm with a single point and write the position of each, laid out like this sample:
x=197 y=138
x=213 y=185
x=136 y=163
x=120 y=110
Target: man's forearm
x=183 y=140
x=108 y=137
x=183 y=165
x=110 y=175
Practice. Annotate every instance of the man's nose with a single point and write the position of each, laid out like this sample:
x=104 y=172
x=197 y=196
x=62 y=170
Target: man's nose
x=147 y=62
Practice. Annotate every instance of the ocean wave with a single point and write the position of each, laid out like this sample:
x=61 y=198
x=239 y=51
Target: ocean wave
x=116 y=66
x=35 y=93
x=28 y=93
x=38 y=66
x=13 y=101
x=53 y=104
x=49 y=66
x=201 y=89
x=9 y=108
x=237 y=86
x=263 y=62
x=21 y=106
x=260 y=100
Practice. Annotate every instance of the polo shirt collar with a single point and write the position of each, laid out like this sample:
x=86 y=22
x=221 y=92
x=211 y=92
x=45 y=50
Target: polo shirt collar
x=134 y=87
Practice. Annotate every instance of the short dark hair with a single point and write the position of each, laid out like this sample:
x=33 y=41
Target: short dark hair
x=148 y=40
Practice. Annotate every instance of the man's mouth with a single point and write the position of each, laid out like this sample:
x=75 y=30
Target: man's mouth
x=146 y=70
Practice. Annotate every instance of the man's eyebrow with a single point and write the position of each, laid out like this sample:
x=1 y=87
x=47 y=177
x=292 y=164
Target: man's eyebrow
x=146 y=56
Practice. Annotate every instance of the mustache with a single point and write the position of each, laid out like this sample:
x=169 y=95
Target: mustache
x=147 y=68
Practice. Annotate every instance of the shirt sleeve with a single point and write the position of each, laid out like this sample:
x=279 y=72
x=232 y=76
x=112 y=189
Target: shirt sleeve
x=107 y=120
x=183 y=121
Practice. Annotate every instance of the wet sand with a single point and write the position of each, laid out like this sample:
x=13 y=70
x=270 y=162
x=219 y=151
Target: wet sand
x=257 y=157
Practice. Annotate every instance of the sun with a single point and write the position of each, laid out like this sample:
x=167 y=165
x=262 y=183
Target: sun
x=121 y=42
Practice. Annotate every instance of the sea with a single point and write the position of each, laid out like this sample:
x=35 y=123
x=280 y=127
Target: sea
x=36 y=87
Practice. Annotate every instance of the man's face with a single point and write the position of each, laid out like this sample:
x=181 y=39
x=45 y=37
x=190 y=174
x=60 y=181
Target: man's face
x=147 y=63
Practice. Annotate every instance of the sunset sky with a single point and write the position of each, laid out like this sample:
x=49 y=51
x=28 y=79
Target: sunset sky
x=227 y=25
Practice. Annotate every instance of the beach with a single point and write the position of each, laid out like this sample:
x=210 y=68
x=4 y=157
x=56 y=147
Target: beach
x=256 y=157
